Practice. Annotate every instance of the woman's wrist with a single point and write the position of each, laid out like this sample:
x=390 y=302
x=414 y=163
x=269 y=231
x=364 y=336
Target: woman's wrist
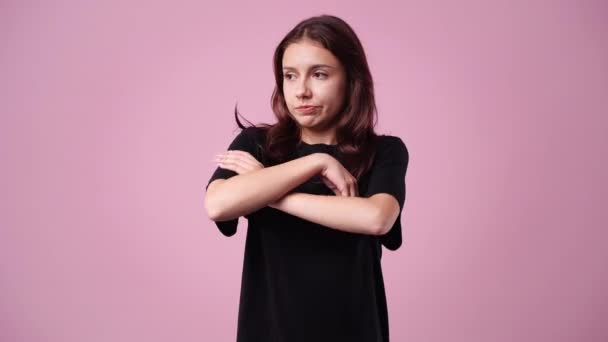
x=320 y=160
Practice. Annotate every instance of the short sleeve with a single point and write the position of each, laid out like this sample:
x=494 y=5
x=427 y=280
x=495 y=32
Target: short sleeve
x=244 y=141
x=387 y=175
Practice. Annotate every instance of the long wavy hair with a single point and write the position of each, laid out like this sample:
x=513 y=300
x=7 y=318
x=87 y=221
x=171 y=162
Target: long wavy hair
x=355 y=124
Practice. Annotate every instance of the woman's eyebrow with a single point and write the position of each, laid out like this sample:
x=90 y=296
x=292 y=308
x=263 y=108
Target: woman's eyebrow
x=314 y=66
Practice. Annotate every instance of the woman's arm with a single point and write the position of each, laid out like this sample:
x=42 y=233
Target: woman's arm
x=242 y=194
x=346 y=213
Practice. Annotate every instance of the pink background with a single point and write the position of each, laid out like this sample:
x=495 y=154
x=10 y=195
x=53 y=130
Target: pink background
x=113 y=110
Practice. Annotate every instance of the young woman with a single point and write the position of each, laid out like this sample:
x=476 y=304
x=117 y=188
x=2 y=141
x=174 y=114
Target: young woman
x=321 y=191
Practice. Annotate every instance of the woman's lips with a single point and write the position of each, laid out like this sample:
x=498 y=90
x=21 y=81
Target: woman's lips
x=307 y=110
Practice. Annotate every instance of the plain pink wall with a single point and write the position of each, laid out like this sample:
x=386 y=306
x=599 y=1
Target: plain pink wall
x=113 y=111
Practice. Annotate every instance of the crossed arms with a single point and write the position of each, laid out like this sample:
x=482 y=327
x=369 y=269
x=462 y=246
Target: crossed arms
x=245 y=193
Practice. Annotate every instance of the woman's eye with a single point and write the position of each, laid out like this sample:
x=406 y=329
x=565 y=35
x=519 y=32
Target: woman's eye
x=318 y=74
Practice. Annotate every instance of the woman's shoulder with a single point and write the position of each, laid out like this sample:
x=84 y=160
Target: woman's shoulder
x=255 y=137
x=387 y=142
x=391 y=148
x=251 y=130
x=254 y=133
x=257 y=129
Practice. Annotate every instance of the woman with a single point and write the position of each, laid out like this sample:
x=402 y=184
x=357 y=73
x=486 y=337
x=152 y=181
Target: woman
x=321 y=192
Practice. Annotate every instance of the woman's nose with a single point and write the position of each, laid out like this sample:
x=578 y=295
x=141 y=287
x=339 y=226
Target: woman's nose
x=302 y=89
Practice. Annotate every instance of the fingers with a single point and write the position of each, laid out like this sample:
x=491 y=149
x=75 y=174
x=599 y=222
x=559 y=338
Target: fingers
x=235 y=164
x=242 y=154
x=350 y=185
x=331 y=186
x=337 y=190
x=240 y=158
x=348 y=188
x=353 y=188
x=344 y=191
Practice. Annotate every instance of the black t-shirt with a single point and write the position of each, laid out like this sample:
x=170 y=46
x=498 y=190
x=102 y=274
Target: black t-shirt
x=303 y=281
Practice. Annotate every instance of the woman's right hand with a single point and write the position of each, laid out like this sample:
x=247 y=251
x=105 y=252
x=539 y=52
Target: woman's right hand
x=337 y=178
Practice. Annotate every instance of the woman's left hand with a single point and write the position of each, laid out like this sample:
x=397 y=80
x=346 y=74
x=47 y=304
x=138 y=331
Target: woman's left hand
x=241 y=162
x=238 y=161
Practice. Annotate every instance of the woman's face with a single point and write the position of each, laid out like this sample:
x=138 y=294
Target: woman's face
x=313 y=76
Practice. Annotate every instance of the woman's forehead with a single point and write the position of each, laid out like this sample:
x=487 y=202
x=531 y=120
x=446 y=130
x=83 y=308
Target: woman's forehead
x=305 y=55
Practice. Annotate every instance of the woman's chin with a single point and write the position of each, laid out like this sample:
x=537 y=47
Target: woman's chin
x=305 y=119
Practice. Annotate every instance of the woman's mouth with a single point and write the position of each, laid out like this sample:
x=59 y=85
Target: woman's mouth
x=307 y=109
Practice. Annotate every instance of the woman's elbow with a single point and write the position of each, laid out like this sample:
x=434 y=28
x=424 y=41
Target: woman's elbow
x=211 y=208
x=210 y=201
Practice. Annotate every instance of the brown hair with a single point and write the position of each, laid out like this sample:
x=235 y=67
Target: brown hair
x=355 y=124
